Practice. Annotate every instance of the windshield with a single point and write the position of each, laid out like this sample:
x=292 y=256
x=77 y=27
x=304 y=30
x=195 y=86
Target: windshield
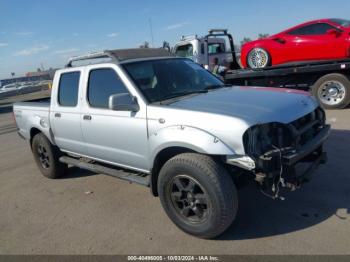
x=341 y=22
x=184 y=51
x=169 y=78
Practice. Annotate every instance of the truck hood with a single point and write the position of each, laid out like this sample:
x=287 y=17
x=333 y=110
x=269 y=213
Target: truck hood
x=252 y=104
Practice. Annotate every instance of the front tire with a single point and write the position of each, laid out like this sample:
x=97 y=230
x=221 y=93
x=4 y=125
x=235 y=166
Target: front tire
x=258 y=58
x=198 y=195
x=332 y=91
x=47 y=157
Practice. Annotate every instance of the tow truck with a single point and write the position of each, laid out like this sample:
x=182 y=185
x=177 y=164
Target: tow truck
x=327 y=80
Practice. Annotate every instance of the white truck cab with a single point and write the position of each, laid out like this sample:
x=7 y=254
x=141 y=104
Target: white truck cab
x=204 y=49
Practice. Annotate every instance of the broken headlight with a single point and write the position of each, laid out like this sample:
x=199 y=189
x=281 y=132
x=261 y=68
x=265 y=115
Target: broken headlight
x=260 y=139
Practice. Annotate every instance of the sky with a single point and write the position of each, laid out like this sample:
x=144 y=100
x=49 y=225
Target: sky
x=45 y=33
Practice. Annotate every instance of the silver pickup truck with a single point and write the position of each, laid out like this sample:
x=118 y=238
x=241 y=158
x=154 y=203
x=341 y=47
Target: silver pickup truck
x=146 y=116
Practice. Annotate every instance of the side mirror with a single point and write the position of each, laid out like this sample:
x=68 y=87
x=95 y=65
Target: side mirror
x=333 y=32
x=123 y=102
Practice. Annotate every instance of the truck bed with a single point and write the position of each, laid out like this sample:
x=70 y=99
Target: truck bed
x=31 y=112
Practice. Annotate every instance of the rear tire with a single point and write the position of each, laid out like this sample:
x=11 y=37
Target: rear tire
x=258 y=58
x=198 y=195
x=332 y=91
x=47 y=157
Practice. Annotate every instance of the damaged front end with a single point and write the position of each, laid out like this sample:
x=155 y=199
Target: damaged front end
x=277 y=148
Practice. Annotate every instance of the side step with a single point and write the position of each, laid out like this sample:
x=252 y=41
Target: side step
x=138 y=178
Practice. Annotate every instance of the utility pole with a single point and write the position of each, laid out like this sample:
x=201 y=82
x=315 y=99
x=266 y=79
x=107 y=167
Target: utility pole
x=151 y=30
x=13 y=75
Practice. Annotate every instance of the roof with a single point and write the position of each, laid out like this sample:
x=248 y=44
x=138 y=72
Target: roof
x=139 y=53
x=321 y=20
x=121 y=55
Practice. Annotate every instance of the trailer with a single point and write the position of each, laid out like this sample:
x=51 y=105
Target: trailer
x=328 y=81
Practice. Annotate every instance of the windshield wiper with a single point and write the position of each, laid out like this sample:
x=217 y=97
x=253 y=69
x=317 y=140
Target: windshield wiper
x=179 y=94
x=216 y=86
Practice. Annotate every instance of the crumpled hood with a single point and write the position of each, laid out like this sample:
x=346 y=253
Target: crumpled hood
x=252 y=104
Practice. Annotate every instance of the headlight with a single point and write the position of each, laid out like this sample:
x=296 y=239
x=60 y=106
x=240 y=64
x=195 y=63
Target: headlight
x=260 y=139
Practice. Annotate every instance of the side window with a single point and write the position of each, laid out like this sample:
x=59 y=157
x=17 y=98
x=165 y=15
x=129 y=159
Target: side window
x=102 y=84
x=216 y=48
x=315 y=29
x=68 y=89
x=184 y=50
x=202 y=49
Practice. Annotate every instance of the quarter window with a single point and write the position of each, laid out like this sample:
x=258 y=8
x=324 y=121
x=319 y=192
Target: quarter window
x=315 y=29
x=102 y=84
x=68 y=89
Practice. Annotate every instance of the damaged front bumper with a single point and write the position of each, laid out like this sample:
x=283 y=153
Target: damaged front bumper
x=294 y=156
x=282 y=162
x=276 y=152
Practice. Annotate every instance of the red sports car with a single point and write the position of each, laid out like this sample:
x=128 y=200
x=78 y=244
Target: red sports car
x=323 y=39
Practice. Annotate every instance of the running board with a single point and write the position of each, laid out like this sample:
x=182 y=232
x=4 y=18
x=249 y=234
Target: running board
x=138 y=178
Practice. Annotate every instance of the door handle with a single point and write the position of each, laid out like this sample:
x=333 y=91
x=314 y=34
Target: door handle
x=57 y=115
x=87 y=117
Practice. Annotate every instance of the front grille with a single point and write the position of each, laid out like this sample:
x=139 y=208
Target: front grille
x=307 y=127
x=261 y=139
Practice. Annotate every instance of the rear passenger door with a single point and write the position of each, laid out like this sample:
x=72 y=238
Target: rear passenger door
x=65 y=116
x=117 y=137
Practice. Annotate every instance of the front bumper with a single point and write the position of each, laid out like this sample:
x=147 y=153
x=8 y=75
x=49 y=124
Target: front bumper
x=270 y=164
x=307 y=174
x=295 y=156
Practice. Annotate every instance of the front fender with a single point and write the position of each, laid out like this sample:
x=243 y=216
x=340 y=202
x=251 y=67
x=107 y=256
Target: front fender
x=188 y=137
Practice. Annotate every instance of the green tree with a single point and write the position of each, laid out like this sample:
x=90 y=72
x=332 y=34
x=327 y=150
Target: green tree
x=245 y=40
x=262 y=36
x=144 y=45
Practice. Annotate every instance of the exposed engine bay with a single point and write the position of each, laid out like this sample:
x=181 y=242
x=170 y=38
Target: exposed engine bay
x=277 y=148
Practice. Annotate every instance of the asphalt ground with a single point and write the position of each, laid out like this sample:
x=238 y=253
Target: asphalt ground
x=87 y=213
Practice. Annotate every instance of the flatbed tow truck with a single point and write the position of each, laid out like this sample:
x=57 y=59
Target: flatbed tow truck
x=327 y=80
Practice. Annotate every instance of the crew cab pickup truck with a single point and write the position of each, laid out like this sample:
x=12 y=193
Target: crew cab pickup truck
x=146 y=116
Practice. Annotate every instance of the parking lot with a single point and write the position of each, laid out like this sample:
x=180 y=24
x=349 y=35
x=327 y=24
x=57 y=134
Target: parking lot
x=86 y=213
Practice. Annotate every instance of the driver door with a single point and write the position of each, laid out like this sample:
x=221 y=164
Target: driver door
x=117 y=137
x=313 y=42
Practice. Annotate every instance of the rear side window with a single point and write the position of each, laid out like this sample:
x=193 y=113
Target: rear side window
x=315 y=29
x=102 y=84
x=341 y=22
x=68 y=89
